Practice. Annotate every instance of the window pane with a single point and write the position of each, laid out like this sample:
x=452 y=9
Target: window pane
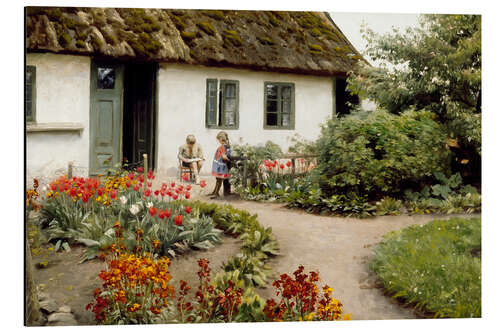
x=286 y=92
x=285 y=120
x=212 y=104
x=105 y=78
x=212 y=117
x=286 y=106
x=271 y=91
x=29 y=110
x=230 y=104
x=29 y=92
x=230 y=90
x=272 y=106
x=229 y=118
x=29 y=76
x=272 y=119
x=212 y=88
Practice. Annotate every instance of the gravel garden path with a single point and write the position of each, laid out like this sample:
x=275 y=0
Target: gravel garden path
x=339 y=248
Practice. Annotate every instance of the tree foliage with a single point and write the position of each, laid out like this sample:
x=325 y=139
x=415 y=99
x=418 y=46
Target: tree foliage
x=437 y=67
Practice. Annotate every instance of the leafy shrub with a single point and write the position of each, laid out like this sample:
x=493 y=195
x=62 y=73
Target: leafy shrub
x=434 y=266
x=378 y=153
x=389 y=206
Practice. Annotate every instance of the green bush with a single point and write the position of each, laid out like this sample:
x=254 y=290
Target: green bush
x=436 y=267
x=379 y=154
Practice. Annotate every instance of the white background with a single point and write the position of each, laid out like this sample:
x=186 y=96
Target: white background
x=12 y=192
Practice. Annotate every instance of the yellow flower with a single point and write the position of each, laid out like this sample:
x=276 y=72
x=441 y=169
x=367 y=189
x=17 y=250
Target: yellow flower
x=347 y=316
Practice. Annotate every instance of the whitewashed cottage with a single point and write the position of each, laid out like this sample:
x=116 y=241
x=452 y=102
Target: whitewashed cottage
x=107 y=84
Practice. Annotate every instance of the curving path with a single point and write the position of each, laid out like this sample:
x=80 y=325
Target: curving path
x=339 y=248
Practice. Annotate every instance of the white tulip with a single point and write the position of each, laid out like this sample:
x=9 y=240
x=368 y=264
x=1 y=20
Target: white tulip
x=123 y=200
x=134 y=209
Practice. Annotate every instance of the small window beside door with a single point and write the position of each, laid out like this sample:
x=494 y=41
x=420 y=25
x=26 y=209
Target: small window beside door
x=106 y=78
x=279 y=105
x=222 y=104
x=30 y=94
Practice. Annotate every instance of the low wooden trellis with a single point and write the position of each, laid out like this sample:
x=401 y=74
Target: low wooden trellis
x=292 y=157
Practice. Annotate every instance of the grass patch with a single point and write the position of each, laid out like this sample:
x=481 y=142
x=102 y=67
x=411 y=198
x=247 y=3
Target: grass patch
x=435 y=267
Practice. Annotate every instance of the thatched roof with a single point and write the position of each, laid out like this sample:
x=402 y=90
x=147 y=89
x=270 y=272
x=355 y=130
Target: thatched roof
x=297 y=42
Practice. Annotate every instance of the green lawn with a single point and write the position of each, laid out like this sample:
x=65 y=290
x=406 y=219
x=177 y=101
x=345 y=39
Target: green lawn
x=436 y=267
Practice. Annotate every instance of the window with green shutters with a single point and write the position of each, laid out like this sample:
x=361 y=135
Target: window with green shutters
x=279 y=105
x=222 y=104
x=30 y=93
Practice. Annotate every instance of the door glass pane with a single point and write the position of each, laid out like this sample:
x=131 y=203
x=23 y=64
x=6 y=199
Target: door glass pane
x=28 y=92
x=230 y=90
x=229 y=118
x=105 y=78
x=271 y=91
x=272 y=119
x=230 y=104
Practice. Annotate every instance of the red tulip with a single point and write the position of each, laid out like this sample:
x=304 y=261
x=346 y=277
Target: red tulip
x=152 y=211
x=136 y=188
x=72 y=192
x=157 y=192
x=112 y=194
x=188 y=187
x=139 y=169
x=203 y=183
x=150 y=184
x=131 y=176
x=141 y=178
x=282 y=166
x=188 y=209
x=161 y=214
x=128 y=184
x=288 y=164
x=99 y=191
x=178 y=219
x=172 y=184
x=53 y=187
x=185 y=177
x=150 y=174
x=175 y=196
x=187 y=195
x=167 y=213
x=147 y=192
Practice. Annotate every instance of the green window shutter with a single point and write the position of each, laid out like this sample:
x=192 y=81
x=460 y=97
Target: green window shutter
x=279 y=105
x=30 y=94
x=211 y=103
x=229 y=104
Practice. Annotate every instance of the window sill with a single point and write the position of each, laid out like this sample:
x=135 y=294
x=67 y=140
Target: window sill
x=223 y=127
x=54 y=127
x=279 y=128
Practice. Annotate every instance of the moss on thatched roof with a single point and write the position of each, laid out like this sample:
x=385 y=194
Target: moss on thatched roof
x=297 y=42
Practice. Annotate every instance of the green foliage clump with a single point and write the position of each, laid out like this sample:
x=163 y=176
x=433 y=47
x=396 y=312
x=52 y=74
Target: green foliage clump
x=207 y=27
x=442 y=74
x=378 y=153
x=435 y=267
x=232 y=37
x=315 y=32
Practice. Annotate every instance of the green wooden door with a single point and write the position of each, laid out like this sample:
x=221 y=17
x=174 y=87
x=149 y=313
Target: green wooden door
x=106 y=87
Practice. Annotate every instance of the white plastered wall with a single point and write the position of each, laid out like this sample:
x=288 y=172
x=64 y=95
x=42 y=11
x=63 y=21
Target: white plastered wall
x=62 y=96
x=181 y=109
